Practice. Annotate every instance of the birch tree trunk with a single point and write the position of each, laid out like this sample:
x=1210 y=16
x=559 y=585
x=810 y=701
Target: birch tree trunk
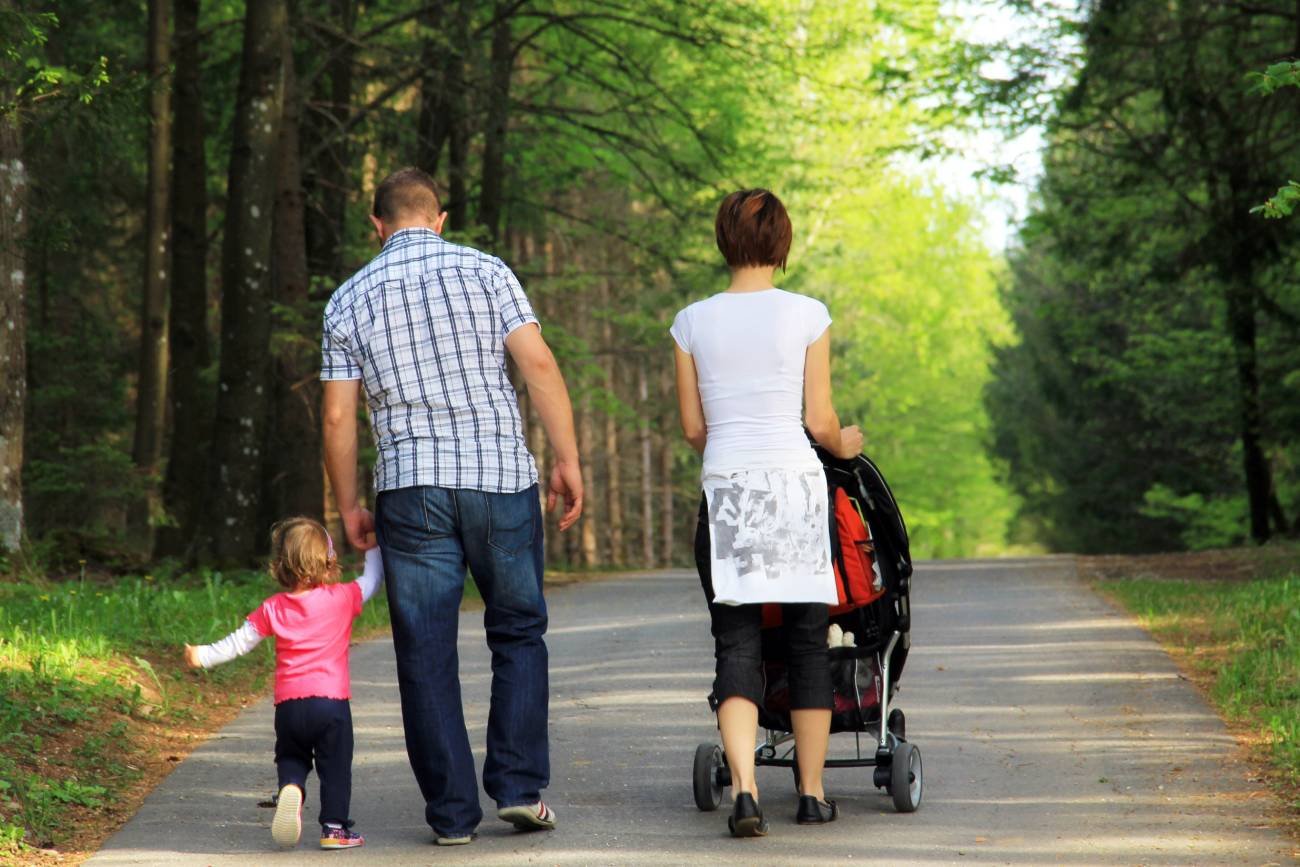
x=239 y=434
x=13 y=321
x=183 y=488
x=151 y=388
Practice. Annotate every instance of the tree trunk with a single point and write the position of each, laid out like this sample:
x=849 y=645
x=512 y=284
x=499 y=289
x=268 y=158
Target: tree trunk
x=613 y=464
x=668 y=524
x=586 y=440
x=432 y=125
x=647 y=470
x=1242 y=329
x=327 y=178
x=501 y=65
x=151 y=390
x=13 y=333
x=183 y=489
x=240 y=431
x=296 y=481
x=457 y=126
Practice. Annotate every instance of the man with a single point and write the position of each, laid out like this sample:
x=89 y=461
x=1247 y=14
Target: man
x=424 y=329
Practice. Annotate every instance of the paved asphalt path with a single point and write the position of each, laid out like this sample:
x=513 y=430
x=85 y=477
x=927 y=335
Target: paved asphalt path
x=1053 y=731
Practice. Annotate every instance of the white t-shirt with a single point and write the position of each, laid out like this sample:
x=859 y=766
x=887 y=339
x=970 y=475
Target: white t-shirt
x=749 y=350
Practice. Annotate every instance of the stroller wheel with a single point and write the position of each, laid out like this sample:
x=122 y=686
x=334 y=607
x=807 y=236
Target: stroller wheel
x=897 y=724
x=905 y=778
x=707 y=777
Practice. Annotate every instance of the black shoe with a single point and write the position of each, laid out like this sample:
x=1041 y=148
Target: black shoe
x=815 y=812
x=747 y=818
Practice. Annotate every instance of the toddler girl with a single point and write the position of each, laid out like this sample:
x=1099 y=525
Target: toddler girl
x=312 y=625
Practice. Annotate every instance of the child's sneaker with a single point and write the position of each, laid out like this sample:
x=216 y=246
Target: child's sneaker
x=339 y=838
x=286 y=827
x=529 y=817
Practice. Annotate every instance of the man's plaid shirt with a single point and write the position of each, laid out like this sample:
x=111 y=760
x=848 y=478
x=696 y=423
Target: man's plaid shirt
x=423 y=327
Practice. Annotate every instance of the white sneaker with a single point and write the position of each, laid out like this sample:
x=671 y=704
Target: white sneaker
x=529 y=817
x=286 y=827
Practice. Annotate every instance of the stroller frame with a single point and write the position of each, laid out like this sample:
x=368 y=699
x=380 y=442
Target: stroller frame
x=896 y=761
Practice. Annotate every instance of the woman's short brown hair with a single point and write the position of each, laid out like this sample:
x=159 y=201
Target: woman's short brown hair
x=753 y=229
x=302 y=555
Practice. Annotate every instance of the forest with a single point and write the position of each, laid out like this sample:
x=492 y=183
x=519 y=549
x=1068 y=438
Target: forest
x=185 y=183
x=193 y=179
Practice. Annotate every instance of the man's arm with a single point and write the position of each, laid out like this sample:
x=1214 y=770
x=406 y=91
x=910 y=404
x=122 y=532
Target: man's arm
x=547 y=392
x=339 y=419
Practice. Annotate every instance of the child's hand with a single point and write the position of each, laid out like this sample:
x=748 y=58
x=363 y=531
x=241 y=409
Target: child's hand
x=192 y=656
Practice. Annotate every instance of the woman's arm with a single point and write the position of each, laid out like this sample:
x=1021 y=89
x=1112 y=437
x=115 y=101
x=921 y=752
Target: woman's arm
x=688 y=400
x=234 y=645
x=369 y=579
x=819 y=412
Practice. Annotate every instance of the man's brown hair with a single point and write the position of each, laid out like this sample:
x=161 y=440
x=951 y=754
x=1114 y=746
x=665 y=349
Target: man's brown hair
x=406 y=191
x=753 y=229
x=302 y=555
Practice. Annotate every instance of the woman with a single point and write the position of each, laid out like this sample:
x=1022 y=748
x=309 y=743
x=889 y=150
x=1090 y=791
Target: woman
x=745 y=359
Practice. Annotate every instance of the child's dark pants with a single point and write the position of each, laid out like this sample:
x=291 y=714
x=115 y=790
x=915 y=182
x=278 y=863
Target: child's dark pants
x=317 y=730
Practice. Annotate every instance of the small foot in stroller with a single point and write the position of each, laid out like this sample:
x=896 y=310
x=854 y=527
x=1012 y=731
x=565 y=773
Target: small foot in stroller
x=710 y=776
x=897 y=724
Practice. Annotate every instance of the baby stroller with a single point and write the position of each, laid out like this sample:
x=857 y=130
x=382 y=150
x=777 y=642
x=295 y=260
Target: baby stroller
x=867 y=535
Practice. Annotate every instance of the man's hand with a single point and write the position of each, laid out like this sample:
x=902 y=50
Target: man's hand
x=359 y=525
x=850 y=442
x=566 y=483
x=192 y=656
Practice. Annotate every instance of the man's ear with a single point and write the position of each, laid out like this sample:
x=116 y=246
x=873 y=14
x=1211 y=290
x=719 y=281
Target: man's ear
x=379 y=227
x=439 y=222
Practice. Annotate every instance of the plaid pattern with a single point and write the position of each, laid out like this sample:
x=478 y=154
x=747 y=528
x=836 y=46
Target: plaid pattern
x=423 y=327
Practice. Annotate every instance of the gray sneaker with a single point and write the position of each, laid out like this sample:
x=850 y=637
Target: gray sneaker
x=529 y=817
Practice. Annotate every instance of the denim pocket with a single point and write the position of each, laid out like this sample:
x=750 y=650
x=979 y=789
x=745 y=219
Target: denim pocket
x=410 y=518
x=510 y=521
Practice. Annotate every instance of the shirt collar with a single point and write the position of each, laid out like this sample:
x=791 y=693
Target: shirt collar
x=402 y=237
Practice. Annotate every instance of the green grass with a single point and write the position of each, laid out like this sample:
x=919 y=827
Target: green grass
x=82 y=663
x=1245 y=637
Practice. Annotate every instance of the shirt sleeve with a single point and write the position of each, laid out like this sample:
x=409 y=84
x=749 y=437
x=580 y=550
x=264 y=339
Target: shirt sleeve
x=511 y=300
x=681 y=331
x=261 y=621
x=371 y=578
x=819 y=319
x=338 y=358
x=234 y=645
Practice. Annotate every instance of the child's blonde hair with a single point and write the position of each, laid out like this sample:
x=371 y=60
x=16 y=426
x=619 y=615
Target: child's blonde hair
x=302 y=555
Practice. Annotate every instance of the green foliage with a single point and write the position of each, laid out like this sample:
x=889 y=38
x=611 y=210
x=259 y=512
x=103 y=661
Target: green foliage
x=1281 y=204
x=1156 y=319
x=31 y=76
x=1247 y=635
x=1205 y=524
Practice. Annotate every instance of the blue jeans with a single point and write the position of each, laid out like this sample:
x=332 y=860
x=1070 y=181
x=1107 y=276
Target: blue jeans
x=429 y=536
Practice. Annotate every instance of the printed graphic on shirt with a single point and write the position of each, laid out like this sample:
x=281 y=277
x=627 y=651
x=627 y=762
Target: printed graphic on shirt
x=769 y=524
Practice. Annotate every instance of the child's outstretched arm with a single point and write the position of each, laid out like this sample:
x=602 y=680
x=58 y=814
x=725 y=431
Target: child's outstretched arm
x=369 y=579
x=234 y=645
